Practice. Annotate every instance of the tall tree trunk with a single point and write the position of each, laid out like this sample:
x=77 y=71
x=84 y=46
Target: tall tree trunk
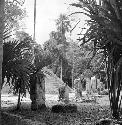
x=73 y=70
x=2 y=3
x=19 y=103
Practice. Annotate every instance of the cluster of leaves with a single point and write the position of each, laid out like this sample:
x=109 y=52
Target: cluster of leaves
x=104 y=25
x=63 y=24
x=13 y=15
x=16 y=67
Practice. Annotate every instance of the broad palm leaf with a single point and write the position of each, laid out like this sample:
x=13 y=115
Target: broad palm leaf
x=15 y=66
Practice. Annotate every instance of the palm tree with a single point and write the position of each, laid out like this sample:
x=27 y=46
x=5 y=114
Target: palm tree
x=105 y=33
x=63 y=26
x=16 y=66
x=2 y=3
x=37 y=84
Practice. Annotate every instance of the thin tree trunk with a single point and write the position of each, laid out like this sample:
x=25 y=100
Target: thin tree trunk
x=72 y=77
x=2 y=3
x=61 y=70
x=73 y=71
x=19 y=103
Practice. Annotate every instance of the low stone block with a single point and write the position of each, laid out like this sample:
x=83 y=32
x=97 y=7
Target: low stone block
x=70 y=108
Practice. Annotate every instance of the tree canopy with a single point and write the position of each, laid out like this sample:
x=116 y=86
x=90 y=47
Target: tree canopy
x=13 y=15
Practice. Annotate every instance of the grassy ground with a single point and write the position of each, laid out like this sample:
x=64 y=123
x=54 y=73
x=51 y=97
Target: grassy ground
x=88 y=112
x=86 y=115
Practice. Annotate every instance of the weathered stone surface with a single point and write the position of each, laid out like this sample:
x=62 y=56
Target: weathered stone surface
x=70 y=108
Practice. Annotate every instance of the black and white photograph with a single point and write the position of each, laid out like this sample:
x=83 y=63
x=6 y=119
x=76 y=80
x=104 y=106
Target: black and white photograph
x=61 y=62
